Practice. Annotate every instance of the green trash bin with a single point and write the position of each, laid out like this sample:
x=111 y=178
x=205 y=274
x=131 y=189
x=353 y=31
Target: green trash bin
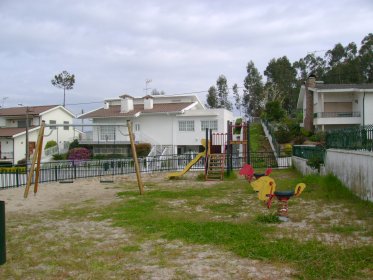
x=2 y=233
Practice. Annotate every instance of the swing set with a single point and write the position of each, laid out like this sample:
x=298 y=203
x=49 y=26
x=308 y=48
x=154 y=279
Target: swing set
x=34 y=172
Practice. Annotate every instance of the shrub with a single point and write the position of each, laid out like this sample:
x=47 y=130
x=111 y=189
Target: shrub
x=318 y=137
x=237 y=129
x=22 y=162
x=282 y=135
x=273 y=111
x=50 y=144
x=315 y=163
x=74 y=144
x=60 y=156
x=299 y=140
x=79 y=154
x=293 y=126
x=143 y=149
x=305 y=132
x=288 y=149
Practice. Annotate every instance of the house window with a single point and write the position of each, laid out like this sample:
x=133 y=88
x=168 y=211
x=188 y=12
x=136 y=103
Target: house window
x=212 y=124
x=22 y=123
x=186 y=125
x=52 y=122
x=107 y=133
x=137 y=127
x=66 y=127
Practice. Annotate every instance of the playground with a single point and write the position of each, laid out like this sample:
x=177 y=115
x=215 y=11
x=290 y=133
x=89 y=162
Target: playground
x=187 y=228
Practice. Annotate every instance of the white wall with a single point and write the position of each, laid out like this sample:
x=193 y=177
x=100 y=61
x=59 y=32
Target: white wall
x=368 y=108
x=60 y=134
x=19 y=144
x=6 y=147
x=354 y=169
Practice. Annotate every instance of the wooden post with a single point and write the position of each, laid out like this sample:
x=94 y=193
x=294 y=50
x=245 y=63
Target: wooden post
x=39 y=150
x=134 y=156
x=31 y=172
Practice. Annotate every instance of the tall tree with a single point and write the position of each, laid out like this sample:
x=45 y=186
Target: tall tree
x=64 y=80
x=366 y=58
x=157 y=92
x=252 y=100
x=344 y=66
x=212 y=98
x=222 y=93
x=281 y=75
x=237 y=98
x=310 y=64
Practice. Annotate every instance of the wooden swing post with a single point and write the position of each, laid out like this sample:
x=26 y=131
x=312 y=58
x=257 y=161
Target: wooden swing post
x=134 y=156
x=37 y=157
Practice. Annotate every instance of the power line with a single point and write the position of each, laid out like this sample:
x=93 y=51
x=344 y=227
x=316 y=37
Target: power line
x=100 y=102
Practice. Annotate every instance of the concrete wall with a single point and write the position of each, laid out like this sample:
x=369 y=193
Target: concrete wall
x=354 y=169
x=301 y=165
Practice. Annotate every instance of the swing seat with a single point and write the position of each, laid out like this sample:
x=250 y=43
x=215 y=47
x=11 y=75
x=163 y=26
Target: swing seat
x=66 y=181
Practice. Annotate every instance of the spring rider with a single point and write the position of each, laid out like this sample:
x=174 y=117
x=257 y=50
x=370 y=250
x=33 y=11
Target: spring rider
x=266 y=188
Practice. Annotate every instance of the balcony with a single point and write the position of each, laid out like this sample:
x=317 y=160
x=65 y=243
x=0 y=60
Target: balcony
x=6 y=156
x=337 y=118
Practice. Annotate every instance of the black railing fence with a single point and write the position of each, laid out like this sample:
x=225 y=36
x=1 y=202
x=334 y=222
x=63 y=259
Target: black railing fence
x=360 y=138
x=60 y=171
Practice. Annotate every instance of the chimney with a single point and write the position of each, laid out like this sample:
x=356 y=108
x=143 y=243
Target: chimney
x=308 y=118
x=148 y=102
x=126 y=103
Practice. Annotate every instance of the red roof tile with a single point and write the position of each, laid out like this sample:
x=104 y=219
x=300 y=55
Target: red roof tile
x=9 y=132
x=21 y=111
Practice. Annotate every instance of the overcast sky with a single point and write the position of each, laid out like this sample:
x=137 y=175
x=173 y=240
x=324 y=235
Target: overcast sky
x=113 y=46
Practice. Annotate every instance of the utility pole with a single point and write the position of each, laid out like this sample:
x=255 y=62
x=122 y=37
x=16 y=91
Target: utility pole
x=27 y=136
x=147 y=82
x=3 y=101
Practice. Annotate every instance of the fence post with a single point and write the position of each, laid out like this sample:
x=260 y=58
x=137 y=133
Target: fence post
x=55 y=174
x=17 y=177
x=2 y=233
x=74 y=167
x=248 y=159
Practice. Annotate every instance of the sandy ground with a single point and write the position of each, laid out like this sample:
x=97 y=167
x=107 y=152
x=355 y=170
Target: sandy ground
x=55 y=195
x=195 y=261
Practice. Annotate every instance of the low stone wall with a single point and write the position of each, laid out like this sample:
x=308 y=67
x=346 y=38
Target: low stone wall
x=354 y=169
x=301 y=165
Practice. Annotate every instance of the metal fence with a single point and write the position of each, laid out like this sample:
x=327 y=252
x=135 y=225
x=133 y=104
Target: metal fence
x=309 y=152
x=60 y=171
x=360 y=138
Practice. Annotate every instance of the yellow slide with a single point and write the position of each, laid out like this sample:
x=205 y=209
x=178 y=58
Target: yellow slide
x=187 y=167
x=191 y=163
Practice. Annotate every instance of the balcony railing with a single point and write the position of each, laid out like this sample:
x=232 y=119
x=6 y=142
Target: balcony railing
x=6 y=155
x=336 y=114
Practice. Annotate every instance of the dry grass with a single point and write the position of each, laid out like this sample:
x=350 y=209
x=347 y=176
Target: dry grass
x=83 y=237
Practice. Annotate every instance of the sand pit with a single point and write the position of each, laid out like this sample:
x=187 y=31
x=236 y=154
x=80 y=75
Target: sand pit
x=56 y=195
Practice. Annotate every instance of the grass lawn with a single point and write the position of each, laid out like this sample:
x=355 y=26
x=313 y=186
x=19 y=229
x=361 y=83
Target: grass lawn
x=185 y=229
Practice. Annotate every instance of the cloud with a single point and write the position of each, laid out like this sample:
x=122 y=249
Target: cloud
x=113 y=46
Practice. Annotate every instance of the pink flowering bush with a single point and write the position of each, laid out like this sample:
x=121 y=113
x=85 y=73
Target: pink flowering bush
x=79 y=154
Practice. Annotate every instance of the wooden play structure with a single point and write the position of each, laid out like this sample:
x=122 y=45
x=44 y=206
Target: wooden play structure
x=218 y=151
x=266 y=188
x=222 y=149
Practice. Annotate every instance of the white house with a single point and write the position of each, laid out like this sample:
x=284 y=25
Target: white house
x=333 y=106
x=175 y=122
x=13 y=129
